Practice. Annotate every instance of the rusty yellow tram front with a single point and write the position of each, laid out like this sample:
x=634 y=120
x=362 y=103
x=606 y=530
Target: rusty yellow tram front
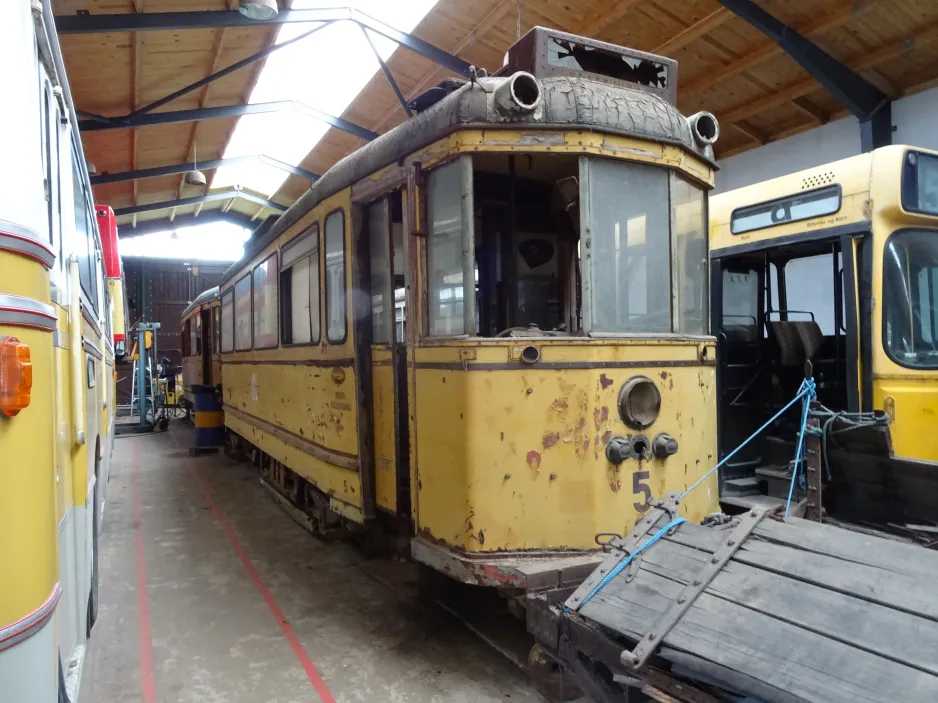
x=490 y=324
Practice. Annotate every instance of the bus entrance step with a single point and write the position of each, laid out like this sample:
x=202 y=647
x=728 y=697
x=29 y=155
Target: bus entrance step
x=746 y=486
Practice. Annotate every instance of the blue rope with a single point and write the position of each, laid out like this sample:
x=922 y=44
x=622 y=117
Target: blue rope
x=802 y=393
x=617 y=569
x=808 y=393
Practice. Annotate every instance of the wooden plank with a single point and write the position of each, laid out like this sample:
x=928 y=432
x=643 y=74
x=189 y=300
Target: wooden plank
x=842 y=12
x=897 y=557
x=786 y=658
x=910 y=594
x=695 y=31
x=877 y=629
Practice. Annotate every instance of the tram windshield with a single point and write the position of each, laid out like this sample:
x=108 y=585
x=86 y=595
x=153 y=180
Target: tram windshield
x=910 y=292
x=641 y=266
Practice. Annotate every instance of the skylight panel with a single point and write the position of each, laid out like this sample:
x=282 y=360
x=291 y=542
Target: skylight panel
x=213 y=241
x=325 y=71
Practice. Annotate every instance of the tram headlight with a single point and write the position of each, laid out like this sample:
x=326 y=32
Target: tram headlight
x=639 y=402
x=16 y=376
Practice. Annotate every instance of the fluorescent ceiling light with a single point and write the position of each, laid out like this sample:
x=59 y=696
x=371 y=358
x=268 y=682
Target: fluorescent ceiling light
x=327 y=72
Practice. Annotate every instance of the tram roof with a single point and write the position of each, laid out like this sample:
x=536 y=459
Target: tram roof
x=727 y=67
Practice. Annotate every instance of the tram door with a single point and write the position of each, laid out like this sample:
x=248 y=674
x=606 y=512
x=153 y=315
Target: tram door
x=388 y=354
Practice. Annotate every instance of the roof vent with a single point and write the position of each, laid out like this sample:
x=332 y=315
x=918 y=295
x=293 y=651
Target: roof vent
x=817 y=180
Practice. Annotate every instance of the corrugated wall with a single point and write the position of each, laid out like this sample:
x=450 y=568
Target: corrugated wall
x=158 y=290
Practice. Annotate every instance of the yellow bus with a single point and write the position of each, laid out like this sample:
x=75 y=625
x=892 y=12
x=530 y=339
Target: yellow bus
x=484 y=327
x=56 y=371
x=837 y=266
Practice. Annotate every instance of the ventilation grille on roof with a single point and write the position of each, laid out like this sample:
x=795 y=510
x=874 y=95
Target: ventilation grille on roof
x=821 y=179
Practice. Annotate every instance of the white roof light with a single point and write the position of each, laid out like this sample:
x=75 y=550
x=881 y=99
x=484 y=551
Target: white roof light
x=258 y=9
x=326 y=72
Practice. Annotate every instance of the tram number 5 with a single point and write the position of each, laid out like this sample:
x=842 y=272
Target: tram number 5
x=638 y=487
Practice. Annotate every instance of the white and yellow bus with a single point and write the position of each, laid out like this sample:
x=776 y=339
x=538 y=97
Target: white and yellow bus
x=837 y=266
x=56 y=371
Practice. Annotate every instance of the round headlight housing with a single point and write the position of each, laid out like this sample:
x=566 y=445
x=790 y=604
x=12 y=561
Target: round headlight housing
x=639 y=402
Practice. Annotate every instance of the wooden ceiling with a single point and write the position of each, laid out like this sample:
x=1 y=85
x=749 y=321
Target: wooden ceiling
x=757 y=92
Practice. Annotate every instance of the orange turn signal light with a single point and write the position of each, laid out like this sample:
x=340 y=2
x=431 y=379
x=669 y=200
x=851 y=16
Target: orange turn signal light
x=16 y=376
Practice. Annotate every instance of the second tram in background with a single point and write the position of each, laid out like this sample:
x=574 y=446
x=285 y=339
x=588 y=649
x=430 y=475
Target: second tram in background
x=201 y=353
x=544 y=235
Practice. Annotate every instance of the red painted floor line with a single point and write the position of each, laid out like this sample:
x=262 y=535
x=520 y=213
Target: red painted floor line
x=325 y=695
x=147 y=683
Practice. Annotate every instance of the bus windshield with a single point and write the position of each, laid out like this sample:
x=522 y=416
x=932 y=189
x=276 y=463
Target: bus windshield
x=910 y=295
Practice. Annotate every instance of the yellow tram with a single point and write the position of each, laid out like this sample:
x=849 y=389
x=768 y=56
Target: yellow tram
x=491 y=323
x=838 y=266
x=201 y=354
x=57 y=385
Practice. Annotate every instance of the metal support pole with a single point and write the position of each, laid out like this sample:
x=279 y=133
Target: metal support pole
x=253 y=58
x=141 y=373
x=195 y=200
x=387 y=74
x=173 y=169
x=867 y=102
x=225 y=111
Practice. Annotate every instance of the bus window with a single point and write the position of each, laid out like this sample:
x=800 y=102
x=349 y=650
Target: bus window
x=85 y=231
x=809 y=291
x=910 y=293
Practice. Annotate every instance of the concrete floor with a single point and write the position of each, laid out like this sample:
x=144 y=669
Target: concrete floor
x=210 y=593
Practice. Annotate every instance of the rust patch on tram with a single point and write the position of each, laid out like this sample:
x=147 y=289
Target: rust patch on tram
x=550 y=439
x=605 y=381
x=534 y=460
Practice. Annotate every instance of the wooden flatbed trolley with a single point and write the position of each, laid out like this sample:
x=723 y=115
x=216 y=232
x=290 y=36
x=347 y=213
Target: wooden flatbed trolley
x=759 y=607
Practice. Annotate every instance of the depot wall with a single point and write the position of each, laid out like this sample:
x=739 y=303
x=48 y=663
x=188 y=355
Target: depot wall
x=915 y=119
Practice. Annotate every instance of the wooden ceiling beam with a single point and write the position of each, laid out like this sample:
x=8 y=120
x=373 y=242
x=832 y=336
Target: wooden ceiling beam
x=811 y=110
x=842 y=12
x=693 y=32
x=135 y=69
x=217 y=49
x=751 y=132
x=799 y=89
x=604 y=17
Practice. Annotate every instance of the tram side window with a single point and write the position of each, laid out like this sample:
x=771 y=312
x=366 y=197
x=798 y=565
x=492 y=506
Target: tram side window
x=227 y=322
x=380 y=272
x=242 y=314
x=216 y=330
x=690 y=257
x=299 y=289
x=186 y=339
x=630 y=262
x=265 y=303
x=444 y=251
x=336 y=325
x=195 y=345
